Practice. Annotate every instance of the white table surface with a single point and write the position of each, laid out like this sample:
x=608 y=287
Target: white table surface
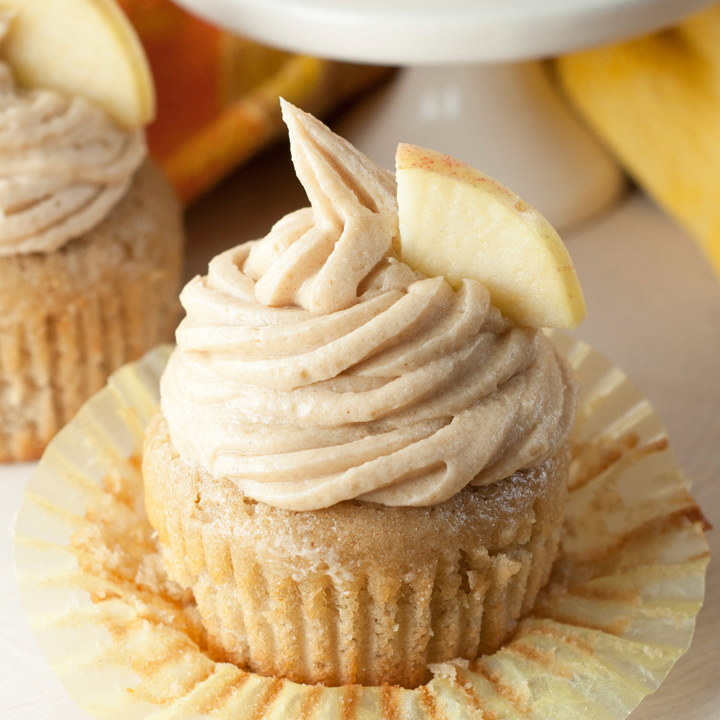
x=654 y=309
x=428 y=32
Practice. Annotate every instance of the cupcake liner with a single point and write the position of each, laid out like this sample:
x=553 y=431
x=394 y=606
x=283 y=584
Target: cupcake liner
x=618 y=611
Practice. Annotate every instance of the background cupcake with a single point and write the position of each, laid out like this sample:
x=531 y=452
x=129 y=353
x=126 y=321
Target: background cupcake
x=90 y=255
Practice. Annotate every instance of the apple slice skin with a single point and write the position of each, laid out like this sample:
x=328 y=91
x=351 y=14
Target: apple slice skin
x=81 y=47
x=458 y=222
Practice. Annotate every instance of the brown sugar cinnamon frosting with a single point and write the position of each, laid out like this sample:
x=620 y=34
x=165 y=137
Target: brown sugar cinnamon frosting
x=358 y=470
x=90 y=253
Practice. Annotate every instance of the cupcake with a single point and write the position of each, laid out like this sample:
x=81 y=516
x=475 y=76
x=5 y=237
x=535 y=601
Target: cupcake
x=358 y=470
x=90 y=258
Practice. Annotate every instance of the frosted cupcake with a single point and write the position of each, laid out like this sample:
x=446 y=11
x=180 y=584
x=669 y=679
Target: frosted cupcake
x=358 y=470
x=90 y=258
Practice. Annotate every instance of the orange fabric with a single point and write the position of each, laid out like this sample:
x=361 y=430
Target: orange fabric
x=217 y=94
x=184 y=55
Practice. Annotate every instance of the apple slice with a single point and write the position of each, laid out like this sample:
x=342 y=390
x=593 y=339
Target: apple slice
x=458 y=222
x=81 y=47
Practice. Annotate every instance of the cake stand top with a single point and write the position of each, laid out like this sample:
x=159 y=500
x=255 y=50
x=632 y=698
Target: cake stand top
x=435 y=32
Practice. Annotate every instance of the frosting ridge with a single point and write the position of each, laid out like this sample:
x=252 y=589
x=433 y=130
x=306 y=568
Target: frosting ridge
x=314 y=367
x=63 y=165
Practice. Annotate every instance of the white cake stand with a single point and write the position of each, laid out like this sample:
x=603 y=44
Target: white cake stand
x=463 y=91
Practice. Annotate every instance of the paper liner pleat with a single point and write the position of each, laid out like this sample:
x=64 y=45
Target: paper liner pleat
x=619 y=609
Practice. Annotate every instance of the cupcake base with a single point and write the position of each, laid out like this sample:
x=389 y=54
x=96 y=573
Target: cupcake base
x=358 y=592
x=72 y=316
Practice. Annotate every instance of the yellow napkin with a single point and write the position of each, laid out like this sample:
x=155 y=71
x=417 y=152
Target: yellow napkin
x=656 y=104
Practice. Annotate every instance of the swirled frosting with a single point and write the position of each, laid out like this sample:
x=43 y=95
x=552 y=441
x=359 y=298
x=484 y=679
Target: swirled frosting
x=63 y=165
x=314 y=367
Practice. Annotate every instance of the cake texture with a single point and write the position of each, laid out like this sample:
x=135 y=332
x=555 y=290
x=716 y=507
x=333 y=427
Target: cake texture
x=91 y=248
x=358 y=470
x=357 y=592
x=72 y=316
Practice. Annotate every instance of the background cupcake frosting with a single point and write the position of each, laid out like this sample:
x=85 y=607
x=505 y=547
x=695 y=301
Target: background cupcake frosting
x=64 y=165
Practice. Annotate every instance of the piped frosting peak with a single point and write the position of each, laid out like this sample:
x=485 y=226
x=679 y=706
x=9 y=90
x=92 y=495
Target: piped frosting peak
x=314 y=367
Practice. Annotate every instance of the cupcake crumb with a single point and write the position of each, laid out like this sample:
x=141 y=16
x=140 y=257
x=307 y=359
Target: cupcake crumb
x=448 y=670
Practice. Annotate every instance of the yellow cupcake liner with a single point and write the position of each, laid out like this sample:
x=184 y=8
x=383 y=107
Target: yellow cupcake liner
x=127 y=643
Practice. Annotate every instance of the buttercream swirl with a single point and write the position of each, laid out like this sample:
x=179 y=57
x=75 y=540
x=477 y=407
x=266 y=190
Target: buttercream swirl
x=63 y=165
x=314 y=367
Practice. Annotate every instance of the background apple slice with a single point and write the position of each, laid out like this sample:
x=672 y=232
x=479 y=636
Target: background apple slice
x=81 y=47
x=458 y=222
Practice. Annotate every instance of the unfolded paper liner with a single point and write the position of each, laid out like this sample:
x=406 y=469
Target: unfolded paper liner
x=127 y=644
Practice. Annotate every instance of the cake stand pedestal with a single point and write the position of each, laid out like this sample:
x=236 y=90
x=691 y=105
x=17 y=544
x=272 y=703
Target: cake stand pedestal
x=463 y=91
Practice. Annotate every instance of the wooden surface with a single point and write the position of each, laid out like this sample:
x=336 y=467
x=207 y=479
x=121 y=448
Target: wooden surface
x=654 y=310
